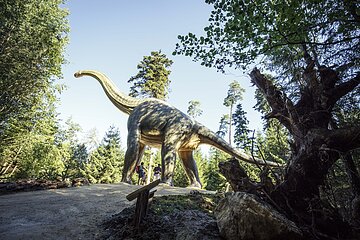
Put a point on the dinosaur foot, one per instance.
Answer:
(126, 180)
(195, 185)
(168, 182)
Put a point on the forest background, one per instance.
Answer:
(308, 97)
(42, 139)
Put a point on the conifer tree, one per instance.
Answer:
(241, 131)
(233, 96)
(224, 126)
(213, 180)
(152, 80)
(106, 162)
(73, 153)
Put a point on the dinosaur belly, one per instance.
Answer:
(151, 138)
(191, 143)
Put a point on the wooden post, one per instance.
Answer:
(149, 172)
(141, 207)
(143, 195)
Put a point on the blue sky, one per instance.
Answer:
(112, 36)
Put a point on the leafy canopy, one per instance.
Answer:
(33, 35)
(242, 31)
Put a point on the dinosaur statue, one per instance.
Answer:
(156, 123)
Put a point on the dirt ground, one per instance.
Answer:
(67, 213)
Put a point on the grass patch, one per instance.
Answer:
(166, 205)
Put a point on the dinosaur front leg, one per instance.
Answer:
(168, 160)
(133, 154)
(190, 167)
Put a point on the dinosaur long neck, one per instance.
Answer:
(122, 101)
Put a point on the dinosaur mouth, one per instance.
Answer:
(77, 74)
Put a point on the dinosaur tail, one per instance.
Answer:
(122, 101)
(210, 138)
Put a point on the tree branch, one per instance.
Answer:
(342, 89)
(344, 139)
(277, 100)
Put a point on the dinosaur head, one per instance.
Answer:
(78, 74)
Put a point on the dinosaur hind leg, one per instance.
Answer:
(190, 167)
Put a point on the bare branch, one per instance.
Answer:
(277, 100)
(341, 90)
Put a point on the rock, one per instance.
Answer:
(244, 216)
(76, 182)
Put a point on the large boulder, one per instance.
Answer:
(244, 216)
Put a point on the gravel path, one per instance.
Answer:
(68, 213)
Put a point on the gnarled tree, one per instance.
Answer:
(313, 48)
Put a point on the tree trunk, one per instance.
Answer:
(354, 180)
(230, 122)
(315, 146)
(149, 172)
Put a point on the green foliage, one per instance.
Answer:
(213, 180)
(239, 32)
(224, 126)
(39, 159)
(201, 163)
(32, 40)
(152, 80)
(274, 145)
(180, 178)
(338, 189)
(28, 145)
(234, 95)
(289, 38)
(169, 204)
(194, 109)
(106, 162)
(347, 110)
(74, 153)
(33, 35)
(280, 35)
(241, 131)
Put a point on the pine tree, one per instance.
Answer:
(241, 131)
(235, 93)
(224, 126)
(106, 162)
(213, 180)
(73, 153)
(180, 178)
(152, 80)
